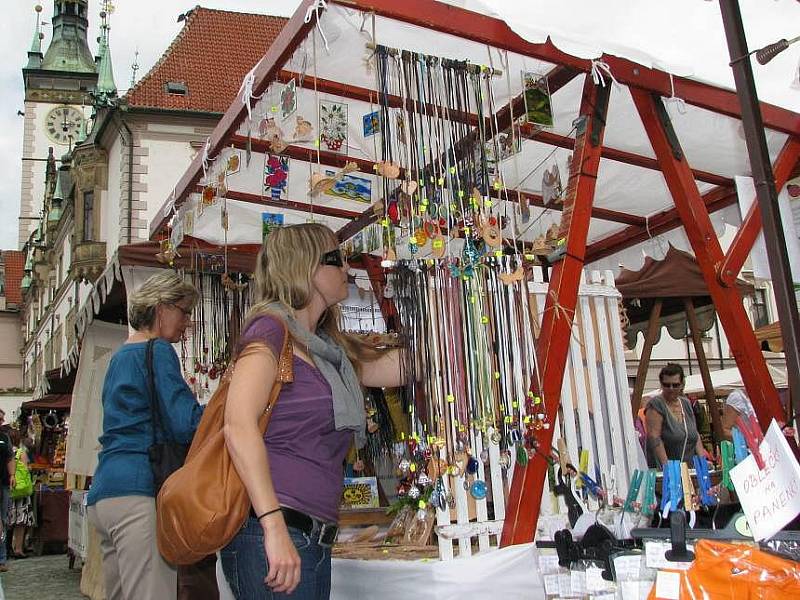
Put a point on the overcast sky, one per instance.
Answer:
(685, 33)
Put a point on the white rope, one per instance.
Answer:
(314, 9)
(600, 70)
(246, 90)
(206, 160)
(679, 103)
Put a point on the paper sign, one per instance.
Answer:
(577, 582)
(655, 553)
(595, 581)
(548, 563)
(668, 585)
(770, 497)
(551, 585)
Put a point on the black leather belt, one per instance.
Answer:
(324, 533)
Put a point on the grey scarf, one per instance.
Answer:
(338, 371)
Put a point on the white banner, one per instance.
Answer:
(770, 496)
(86, 415)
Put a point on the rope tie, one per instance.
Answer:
(314, 9)
(246, 90)
(601, 70)
(206, 159)
(679, 102)
(563, 312)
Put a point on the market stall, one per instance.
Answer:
(471, 175)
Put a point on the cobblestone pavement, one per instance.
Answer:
(42, 578)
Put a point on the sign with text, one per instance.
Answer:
(770, 497)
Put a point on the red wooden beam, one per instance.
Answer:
(715, 200)
(553, 139)
(294, 31)
(319, 209)
(353, 92)
(751, 227)
(708, 253)
(495, 32)
(522, 510)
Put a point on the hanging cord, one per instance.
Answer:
(313, 10)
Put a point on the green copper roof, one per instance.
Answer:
(69, 50)
(105, 78)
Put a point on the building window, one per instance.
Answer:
(758, 308)
(88, 216)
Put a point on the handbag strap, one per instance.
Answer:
(151, 383)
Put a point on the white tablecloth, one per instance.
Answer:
(508, 574)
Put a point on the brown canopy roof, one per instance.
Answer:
(677, 275)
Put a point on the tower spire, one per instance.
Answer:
(35, 55)
(106, 87)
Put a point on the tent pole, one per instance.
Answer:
(525, 497)
(708, 253)
(702, 362)
(774, 238)
(653, 327)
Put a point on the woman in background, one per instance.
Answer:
(121, 500)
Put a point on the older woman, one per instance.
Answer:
(671, 428)
(294, 473)
(121, 500)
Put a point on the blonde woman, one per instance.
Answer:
(122, 496)
(293, 474)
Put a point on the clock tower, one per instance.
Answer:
(58, 88)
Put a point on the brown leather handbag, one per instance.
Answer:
(202, 505)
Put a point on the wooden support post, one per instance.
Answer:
(708, 252)
(702, 361)
(653, 326)
(525, 497)
(751, 226)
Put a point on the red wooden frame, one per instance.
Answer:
(751, 226)
(562, 297)
(708, 253)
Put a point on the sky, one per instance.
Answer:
(150, 25)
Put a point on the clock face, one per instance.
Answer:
(63, 124)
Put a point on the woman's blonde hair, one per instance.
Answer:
(285, 268)
(166, 287)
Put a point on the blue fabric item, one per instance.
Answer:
(244, 563)
(124, 467)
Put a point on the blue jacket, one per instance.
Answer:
(124, 468)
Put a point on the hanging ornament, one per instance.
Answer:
(388, 169)
(478, 489)
(302, 130)
(552, 189)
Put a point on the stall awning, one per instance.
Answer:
(49, 402)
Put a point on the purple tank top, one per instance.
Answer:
(305, 450)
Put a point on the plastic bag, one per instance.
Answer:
(724, 571)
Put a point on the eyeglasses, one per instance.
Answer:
(673, 386)
(187, 312)
(333, 258)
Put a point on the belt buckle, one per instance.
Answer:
(327, 534)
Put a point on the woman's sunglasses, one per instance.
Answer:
(333, 258)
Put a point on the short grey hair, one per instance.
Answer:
(163, 288)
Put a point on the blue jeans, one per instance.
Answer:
(5, 508)
(244, 563)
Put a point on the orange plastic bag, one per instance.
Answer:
(724, 571)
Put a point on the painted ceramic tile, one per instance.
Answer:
(276, 176)
(538, 109)
(333, 125)
(289, 99)
(270, 221)
(371, 123)
(351, 187)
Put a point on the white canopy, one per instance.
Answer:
(332, 62)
